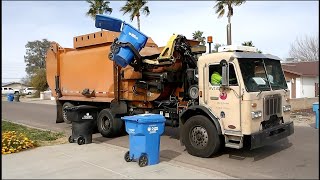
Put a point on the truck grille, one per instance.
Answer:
(272, 106)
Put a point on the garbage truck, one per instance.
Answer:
(236, 97)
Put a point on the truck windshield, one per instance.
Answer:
(262, 74)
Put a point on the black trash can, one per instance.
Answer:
(83, 119)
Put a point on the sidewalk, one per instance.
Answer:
(38, 101)
(94, 161)
(33, 100)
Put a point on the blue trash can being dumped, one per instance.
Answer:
(129, 41)
(144, 138)
(129, 34)
(108, 23)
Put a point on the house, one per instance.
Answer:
(15, 85)
(302, 78)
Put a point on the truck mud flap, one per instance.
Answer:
(59, 118)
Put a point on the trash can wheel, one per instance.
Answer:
(143, 160)
(80, 140)
(127, 157)
(70, 139)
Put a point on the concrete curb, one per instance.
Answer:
(33, 127)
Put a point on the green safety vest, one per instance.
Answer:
(215, 78)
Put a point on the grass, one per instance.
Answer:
(35, 135)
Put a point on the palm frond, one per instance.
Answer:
(146, 10)
(221, 13)
(108, 10)
(98, 7)
(133, 7)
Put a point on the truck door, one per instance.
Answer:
(225, 103)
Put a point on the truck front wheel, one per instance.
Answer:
(108, 124)
(201, 137)
(64, 113)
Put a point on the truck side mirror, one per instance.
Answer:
(225, 73)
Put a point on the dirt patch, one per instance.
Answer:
(62, 140)
(303, 117)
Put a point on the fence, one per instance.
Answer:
(298, 104)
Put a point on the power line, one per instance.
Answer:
(12, 78)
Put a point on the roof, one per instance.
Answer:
(9, 83)
(227, 55)
(310, 68)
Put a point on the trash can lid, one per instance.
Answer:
(80, 107)
(145, 118)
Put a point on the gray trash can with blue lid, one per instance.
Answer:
(83, 118)
(144, 138)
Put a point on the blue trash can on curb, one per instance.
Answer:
(316, 110)
(144, 138)
(10, 97)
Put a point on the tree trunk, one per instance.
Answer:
(229, 42)
(138, 19)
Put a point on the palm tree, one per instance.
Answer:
(134, 7)
(220, 10)
(98, 7)
(249, 43)
(216, 47)
(197, 35)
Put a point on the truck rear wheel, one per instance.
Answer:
(201, 137)
(64, 113)
(108, 124)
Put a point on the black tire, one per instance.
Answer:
(81, 140)
(127, 157)
(201, 137)
(29, 93)
(16, 93)
(108, 124)
(64, 114)
(70, 139)
(143, 160)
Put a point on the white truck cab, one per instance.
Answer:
(250, 107)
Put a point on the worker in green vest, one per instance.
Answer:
(215, 78)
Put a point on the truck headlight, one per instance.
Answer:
(256, 114)
(286, 108)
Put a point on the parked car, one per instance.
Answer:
(9, 90)
(29, 90)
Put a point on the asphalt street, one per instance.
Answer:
(296, 157)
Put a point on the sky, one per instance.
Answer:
(272, 26)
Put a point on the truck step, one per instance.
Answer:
(234, 145)
(233, 133)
